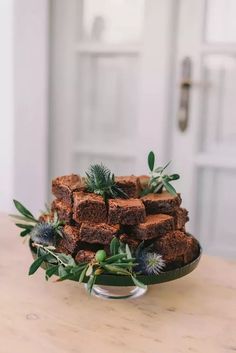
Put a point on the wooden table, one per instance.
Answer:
(194, 314)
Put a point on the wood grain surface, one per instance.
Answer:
(196, 313)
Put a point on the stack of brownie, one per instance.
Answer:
(90, 223)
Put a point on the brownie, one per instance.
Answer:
(71, 238)
(128, 184)
(143, 181)
(84, 256)
(180, 218)
(126, 211)
(63, 210)
(89, 207)
(64, 186)
(161, 203)
(131, 241)
(62, 247)
(100, 233)
(154, 226)
(177, 247)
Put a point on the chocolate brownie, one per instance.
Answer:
(180, 217)
(63, 187)
(177, 247)
(71, 238)
(154, 226)
(61, 247)
(129, 184)
(126, 211)
(131, 241)
(64, 210)
(161, 203)
(100, 233)
(84, 256)
(89, 207)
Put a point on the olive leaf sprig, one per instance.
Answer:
(158, 179)
(33, 227)
(120, 262)
(101, 181)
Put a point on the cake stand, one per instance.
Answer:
(110, 286)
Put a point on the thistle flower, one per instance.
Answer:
(150, 263)
(44, 234)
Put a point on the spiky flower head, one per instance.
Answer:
(151, 263)
(44, 234)
(101, 181)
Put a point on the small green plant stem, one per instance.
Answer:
(51, 253)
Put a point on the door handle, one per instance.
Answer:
(185, 87)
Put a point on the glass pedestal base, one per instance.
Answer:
(110, 292)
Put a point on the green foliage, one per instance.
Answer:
(158, 179)
(120, 262)
(101, 181)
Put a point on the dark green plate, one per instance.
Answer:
(119, 280)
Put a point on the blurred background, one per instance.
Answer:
(85, 81)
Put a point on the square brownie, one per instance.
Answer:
(180, 217)
(177, 247)
(130, 240)
(126, 211)
(84, 256)
(161, 203)
(64, 210)
(71, 238)
(128, 184)
(154, 227)
(89, 207)
(100, 233)
(63, 187)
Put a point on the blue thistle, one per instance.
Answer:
(44, 234)
(150, 263)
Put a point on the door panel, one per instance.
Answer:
(205, 154)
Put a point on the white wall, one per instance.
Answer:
(6, 104)
(24, 102)
(31, 101)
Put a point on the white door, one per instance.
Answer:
(205, 152)
(109, 83)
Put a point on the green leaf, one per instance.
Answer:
(117, 270)
(128, 252)
(82, 275)
(64, 258)
(167, 164)
(25, 226)
(114, 246)
(21, 218)
(174, 177)
(51, 271)
(36, 264)
(91, 282)
(23, 210)
(115, 258)
(89, 270)
(169, 187)
(151, 160)
(25, 232)
(62, 271)
(138, 283)
(126, 265)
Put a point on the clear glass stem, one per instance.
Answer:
(110, 292)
